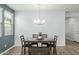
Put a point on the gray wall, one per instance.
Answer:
(55, 24)
(6, 41)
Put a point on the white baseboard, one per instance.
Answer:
(7, 50)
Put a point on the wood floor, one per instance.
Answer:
(71, 48)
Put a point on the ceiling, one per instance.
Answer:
(31, 7)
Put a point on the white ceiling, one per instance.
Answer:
(25, 7)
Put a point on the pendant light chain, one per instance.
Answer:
(38, 20)
(39, 11)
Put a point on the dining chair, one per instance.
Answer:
(44, 35)
(55, 40)
(53, 45)
(44, 44)
(34, 35)
(34, 44)
(22, 44)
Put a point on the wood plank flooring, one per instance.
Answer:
(71, 48)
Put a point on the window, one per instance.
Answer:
(8, 23)
(1, 21)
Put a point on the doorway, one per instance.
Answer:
(72, 29)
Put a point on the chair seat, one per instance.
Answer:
(44, 45)
(34, 45)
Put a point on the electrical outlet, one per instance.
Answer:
(5, 45)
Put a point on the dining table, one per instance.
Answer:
(39, 41)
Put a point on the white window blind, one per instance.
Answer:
(8, 23)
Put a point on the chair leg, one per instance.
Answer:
(22, 51)
(54, 50)
(50, 49)
(29, 52)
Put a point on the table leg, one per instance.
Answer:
(29, 47)
(24, 49)
(54, 50)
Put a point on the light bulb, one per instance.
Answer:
(35, 21)
(43, 21)
(38, 21)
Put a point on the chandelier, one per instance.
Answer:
(39, 21)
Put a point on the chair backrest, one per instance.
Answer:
(55, 38)
(22, 39)
(34, 35)
(44, 35)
